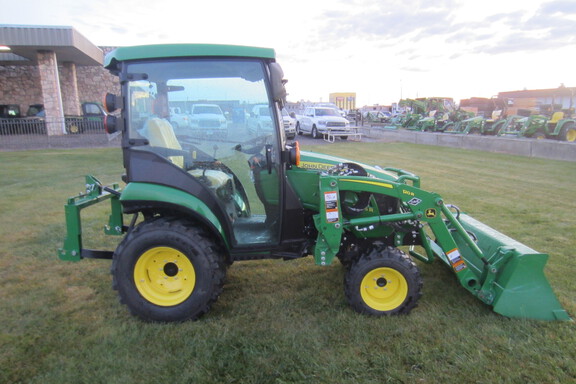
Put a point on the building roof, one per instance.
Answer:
(560, 91)
(25, 41)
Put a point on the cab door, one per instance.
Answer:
(212, 153)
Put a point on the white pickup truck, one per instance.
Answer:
(179, 119)
(318, 121)
(208, 120)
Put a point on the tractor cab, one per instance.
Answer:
(214, 158)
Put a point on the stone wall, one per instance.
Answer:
(94, 82)
(21, 85)
(51, 91)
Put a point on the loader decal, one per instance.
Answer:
(456, 260)
(430, 213)
(379, 184)
(331, 203)
(315, 165)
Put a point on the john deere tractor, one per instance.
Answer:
(194, 204)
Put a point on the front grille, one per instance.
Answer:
(209, 124)
(336, 124)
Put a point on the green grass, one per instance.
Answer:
(282, 322)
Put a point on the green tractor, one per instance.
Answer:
(540, 127)
(471, 125)
(490, 126)
(197, 204)
(533, 126)
(432, 114)
(561, 128)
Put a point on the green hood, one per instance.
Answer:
(322, 162)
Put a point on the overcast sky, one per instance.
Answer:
(380, 49)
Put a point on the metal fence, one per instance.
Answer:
(70, 132)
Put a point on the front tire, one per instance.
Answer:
(168, 270)
(539, 135)
(383, 282)
(315, 134)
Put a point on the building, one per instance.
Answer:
(525, 102)
(344, 100)
(542, 101)
(53, 66)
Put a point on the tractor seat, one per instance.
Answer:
(556, 117)
(160, 133)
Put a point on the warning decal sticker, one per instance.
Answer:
(331, 205)
(456, 260)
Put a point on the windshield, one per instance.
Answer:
(213, 109)
(201, 99)
(326, 112)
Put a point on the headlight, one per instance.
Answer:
(322, 122)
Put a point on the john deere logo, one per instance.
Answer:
(430, 213)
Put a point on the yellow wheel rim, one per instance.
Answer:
(384, 289)
(164, 276)
(571, 135)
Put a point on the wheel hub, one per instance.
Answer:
(171, 269)
(164, 276)
(384, 289)
(381, 282)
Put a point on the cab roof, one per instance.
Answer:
(142, 52)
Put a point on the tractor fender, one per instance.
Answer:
(561, 125)
(142, 196)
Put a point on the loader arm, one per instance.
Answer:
(499, 271)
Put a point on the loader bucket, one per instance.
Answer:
(513, 280)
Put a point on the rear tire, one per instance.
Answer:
(383, 282)
(168, 270)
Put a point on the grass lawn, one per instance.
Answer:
(282, 322)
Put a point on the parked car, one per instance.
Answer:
(260, 121)
(92, 119)
(208, 120)
(179, 119)
(289, 124)
(34, 122)
(9, 115)
(319, 120)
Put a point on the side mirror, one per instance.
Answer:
(277, 82)
(112, 102)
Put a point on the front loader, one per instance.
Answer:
(192, 206)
